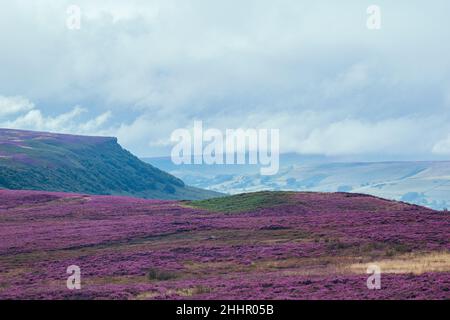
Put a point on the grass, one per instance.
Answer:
(411, 263)
(242, 202)
(190, 292)
(148, 295)
(161, 275)
(89, 165)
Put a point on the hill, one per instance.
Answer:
(425, 183)
(254, 246)
(96, 165)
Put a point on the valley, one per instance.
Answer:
(425, 183)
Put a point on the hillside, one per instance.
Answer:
(425, 183)
(252, 246)
(95, 165)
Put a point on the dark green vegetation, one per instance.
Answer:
(94, 165)
(160, 275)
(242, 202)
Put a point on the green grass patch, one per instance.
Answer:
(242, 202)
(161, 275)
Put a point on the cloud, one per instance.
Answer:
(96, 123)
(13, 105)
(67, 122)
(313, 70)
(442, 147)
(353, 136)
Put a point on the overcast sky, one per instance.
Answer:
(140, 69)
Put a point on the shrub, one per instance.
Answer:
(160, 275)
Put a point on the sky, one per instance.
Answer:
(139, 70)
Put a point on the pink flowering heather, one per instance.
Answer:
(257, 246)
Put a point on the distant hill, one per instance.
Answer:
(425, 183)
(95, 165)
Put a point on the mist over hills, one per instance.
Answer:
(99, 165)
(419, 182)
(94, 165)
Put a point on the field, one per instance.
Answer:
(265, 245)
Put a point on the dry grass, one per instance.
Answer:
(119, 280)
(410, 263)
(190, 292)
(416, 263)
(147, 295)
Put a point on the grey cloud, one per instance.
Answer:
(311, 69)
